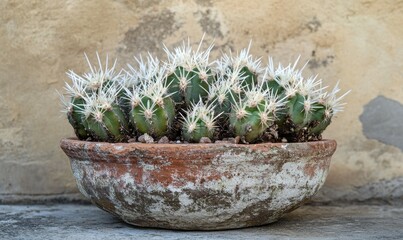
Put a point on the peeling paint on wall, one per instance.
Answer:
(209, 24)
(150, 33)
(382, 120)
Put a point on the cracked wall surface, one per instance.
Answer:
(359, 43)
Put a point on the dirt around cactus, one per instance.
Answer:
(271, 135)
(145, 138)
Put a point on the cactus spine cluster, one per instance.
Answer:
(188, 98)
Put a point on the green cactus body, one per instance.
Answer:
(250, 126)
(318, 112)
(201, 130)
(169, 108)
(125, 107)
(116, 123)
(318, 121)
(222, 96)
(198, 87)
(111, 126)
(254, 113)
(223, 108)
(223, 104)
(199, 122)
(153, 119)
(296, 110)
(274, 86)
(318, 129)
(97, 129)
(123, 101)
(195, 87)
(173, 82)
(249, 78)
(106, 84)
(190, 74)
(76, 118)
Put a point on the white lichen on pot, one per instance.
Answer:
(199, 186)
(160, 98)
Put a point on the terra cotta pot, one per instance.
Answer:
(199, 186)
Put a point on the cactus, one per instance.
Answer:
(103, 117)
(189, 74)
(308, 108)
(242, 65)
(254, 113)
(188, 98)
(224, 92)
(74, 106)
(199, 122)
(327, 106)
(152, 109)
(93, 110)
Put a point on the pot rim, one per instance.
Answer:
(74, 140)
(113, 152)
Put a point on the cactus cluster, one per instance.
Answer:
(188, 97)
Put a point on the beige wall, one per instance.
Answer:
(357, 42)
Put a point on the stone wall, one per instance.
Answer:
(359, 43)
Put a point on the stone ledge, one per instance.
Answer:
(74, 221)
(37, 199)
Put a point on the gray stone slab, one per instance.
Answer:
(68, 221)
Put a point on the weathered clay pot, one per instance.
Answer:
(199, 186)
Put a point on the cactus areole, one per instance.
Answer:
(190, 98)
(194, 143)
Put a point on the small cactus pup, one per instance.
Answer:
(189, 74)
(308, 109)
(199, 122)
(327, 107)
(73, 106)
(254, 113)
(152, 109)
(102, 81)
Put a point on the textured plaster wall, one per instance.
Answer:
(357, 42)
